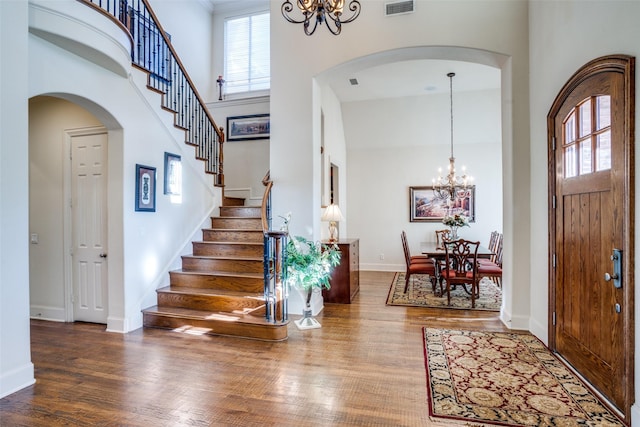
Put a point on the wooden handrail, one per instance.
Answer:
(266, 208)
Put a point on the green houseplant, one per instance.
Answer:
(308, 267)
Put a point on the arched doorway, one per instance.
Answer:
(61, 285)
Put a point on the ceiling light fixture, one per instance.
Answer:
(451, 187)
(328, 11)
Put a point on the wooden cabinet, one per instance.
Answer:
(345, 278)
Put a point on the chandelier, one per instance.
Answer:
(328, 11)
(452, 186)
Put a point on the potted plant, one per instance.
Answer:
(455, 221)
(308, 266)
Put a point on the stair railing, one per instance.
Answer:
(152, 51)
(276, 291)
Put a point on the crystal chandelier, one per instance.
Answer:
(328, 11)
(452, 186)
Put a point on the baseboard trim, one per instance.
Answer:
(17, 379)
(43, 312)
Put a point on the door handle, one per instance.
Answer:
(616, 257)
(103, 255)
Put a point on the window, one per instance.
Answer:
(247, 63)
(587, 137)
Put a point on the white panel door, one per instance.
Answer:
(89, 219)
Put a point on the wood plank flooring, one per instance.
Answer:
(364, 367)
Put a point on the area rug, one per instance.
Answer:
(498, 378)
(420, 294)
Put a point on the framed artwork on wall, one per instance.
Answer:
(242, 128)
(425, 205)
(172, 174)
(145, 189)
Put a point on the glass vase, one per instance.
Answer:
(454, 232)
(307, 321)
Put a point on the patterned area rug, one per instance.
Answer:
(420, 294)
(497, 378)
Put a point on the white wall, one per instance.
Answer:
(335, 153)
(490, 32)
(16, 369)
(190, 26)
(383, 165)
(245, 162)
(143, 246)
(555, 56)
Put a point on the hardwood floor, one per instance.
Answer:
(364, 367)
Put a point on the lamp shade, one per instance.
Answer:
(332, 214)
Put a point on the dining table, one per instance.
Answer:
(436, 251)
(432, 250)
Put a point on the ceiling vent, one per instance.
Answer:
(398, 7)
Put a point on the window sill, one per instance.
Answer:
(230, 102)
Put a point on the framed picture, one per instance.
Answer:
(172, 174)
(425, 205)
(242, 128)
(145, 188)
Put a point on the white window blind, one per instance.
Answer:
(247, 65)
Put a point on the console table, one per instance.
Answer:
(345, 277)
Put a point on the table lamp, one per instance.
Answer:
(333, 215)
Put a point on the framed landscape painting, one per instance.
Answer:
(425, 205)
(241, 128)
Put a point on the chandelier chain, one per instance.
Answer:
(452, 187)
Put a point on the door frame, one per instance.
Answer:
(69, 134)
(625, 65)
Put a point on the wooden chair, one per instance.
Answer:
(414, 258)
(416, 266)
(492, 268)
(461, 267)
(442, 236)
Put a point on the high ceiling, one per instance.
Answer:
(395, 79)
(412, 78)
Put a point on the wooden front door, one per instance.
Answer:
(591, 219)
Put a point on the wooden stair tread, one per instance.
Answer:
(209, 291)
(187, 313)
(219, 273)
(226, 257)
(219, 242)
(251, 230)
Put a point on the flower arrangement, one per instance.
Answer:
(456, 220)
(309, 264)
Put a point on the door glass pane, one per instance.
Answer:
(570, 161)
(603, 151)
(570, 129)
(603, 112)
(585, 119)
(585, 157)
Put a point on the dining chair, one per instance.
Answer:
(417, 265)
(461, 268)
(442, 236)
(492, 268)
(423, 258)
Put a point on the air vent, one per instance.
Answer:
(398, 7)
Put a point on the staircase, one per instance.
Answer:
(220, 288)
